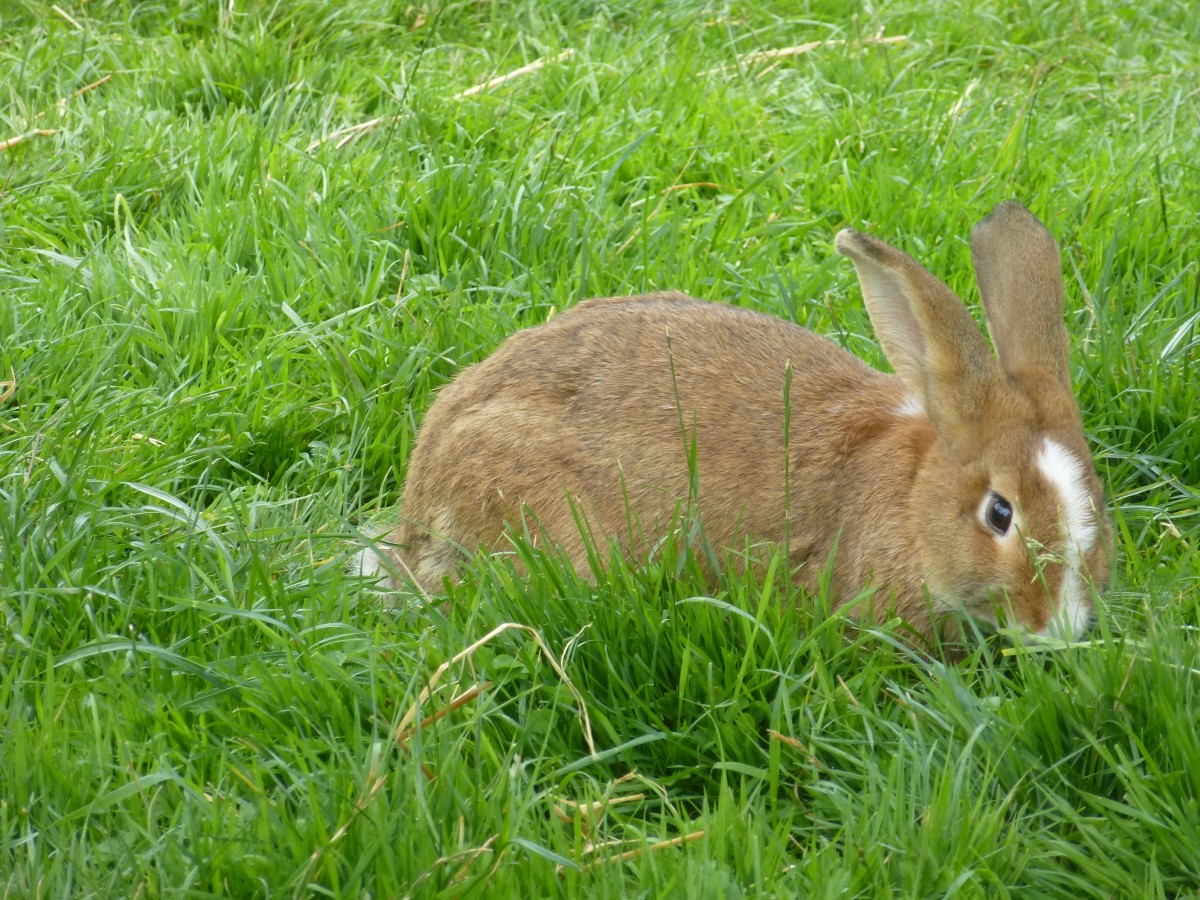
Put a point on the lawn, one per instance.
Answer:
(243, 244)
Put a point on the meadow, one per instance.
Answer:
(242, 244)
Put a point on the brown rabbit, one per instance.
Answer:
(962, 483)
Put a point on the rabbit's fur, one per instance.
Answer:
(593, 416)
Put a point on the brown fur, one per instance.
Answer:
(600, 405)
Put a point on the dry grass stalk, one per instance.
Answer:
(796, 745)
(849, 694)
(784, 739)
(589, 813)
(757, 56)
(8, 388)
(515, 73)
(427, 691)
(22, 138)
(635, 853)
(66, 16)
(344, 136)
(461, 700)
(87, 88)
(61, 106)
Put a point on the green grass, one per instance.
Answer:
(223, 342)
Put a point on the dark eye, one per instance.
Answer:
(999, 514)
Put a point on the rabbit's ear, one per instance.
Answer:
(1020, 281)
(927, 334)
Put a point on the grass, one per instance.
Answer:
(222, 343)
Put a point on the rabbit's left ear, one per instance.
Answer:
(1020, 281)
(927, 334)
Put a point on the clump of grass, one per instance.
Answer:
(219, 333)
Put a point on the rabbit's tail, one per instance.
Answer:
(411, 555)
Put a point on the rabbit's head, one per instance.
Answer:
(1013, 524)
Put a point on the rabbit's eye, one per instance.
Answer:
(999, 514)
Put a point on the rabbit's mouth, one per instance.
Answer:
(975, 602)
(983, 614)
(991, 609)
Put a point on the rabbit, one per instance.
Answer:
(961, 484)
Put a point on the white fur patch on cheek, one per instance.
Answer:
(1080, 529)
(1065, 472)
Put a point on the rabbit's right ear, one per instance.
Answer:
(1020, 282)
(927, 334)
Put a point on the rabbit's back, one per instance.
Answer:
(616, 403)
